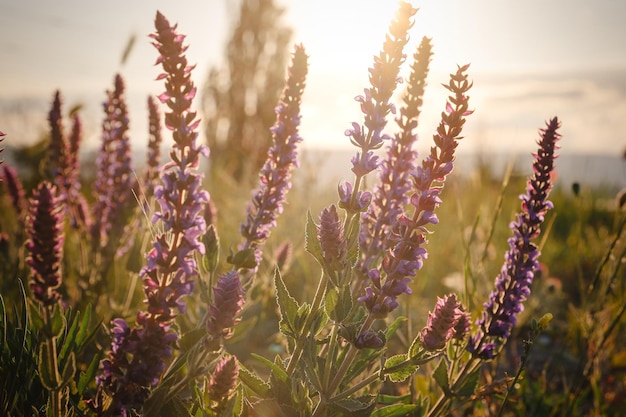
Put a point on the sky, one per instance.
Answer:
(530, 61)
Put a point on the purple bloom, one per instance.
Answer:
(114, 181)
(512, 285)
(153, 159)
(15, 190)
(225, 305)
(139, 356)
(441, 323)
(223, 379)
(268, 198)
(56, 146)
(392, 192)
(331, 238)
(45, 243)
(403, 254)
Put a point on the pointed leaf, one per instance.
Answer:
(89, 375)
(311, 243)
(48, 374)
(288, 307)
(441, 376)
(35, 315)
(276, 369)
(396, 410)
(397, 372)
(356, 407)
(243, 259)
(83, 333)
(469, 385)
(57, 322)
(69, 370)
(253, 382)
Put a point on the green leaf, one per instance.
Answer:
(338, 303)
(243, 259)
(469, 385)
(174, 408)
(69, 370)
(384, 399)
(311, 243)
(288, 307)
(253, 382)
(393, 327)
(441, 376)
(191, 338)
(84, 335)
(57, 322)
(48, 373)
(397, 372)
(355, 407)
(396, 410)
(35, 315)
(278, 370)
(86, 377)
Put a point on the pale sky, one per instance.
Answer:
(530, 61)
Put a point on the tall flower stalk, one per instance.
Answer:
(512, 285)
(139, 355)
(44, 255)
(275, 176)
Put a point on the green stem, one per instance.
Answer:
(317, 301)
(55, 394)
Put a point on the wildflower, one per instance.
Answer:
(45, 243)
(512, 285)
(441, 323)
(56, 146)
(225, 306)
(392, 192)
(375, 107)
(370, 340)
(153, 158)
(139, 355)
(330, 235)
(223, 379)
(114, 181)
(403, 253)
(15, 190)
(268, 198)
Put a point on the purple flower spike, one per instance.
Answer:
(441, 323)
(402, 251)
(15, 190)
(225, 306)
(114, 181)
(392, 192)
(139, 355)
(331, 238)
(275, 176)
(45, 243)
(223, 379)
(512, 285)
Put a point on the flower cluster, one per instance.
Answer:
(45, 243)
(447, 321)
(392, 191)
(15, 190)
(404, 251)
(512, 285)
(275, 175)
(139, 355)
(225, 306)
(223, 379)
(331, 237)
(114, 181)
